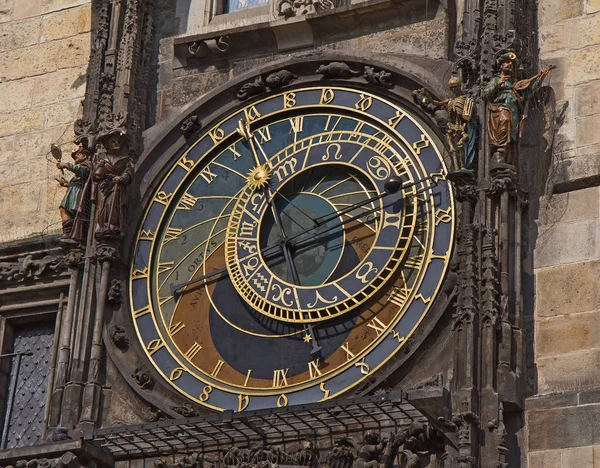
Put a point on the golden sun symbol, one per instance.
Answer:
(258, 177)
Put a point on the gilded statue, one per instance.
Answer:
(461, 128)
(506, 98)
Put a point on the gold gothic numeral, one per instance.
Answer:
(327, 95)
(363, 103)
(397, 335)
(443, 216)
(377, 325)
(205, 395)
(421, 144)
(313, 369)
(324, 390)
(251, 113)
(437, 176)
(216, 135)
(176, 373)
(280, 378)
(139, 274)
(146, 235)
(193, 351)
(243, 402)
(364, 367)
(154, 346)
(426, 300)
(186, 163)
(163, 197)
(289, 100)
(282, 400)
(393, 121)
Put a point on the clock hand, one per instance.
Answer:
(244, 130)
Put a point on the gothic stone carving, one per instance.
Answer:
(143, 379)
(251, 88)
(115, 295)
(190, 125)
(193, 460)
(336, 70)
(342, 455)
(67, 460)
(289, 8)
(381, 78)
(29, 268)
(279, 79)
(119, 338)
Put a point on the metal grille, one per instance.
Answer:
(28, 384)
(211, 434)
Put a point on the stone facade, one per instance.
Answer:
(44, 52)
(566, 248)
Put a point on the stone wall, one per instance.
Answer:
(562, 418)
(44, 51)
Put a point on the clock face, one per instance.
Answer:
(316, 227)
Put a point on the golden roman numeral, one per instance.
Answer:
(398, 296)
(349, 354)
(265, 134)
(247, 377)
(384, 144)
(236, 155)
(313, 368)
(165, 266)
(143, 311)
(377, 325)
(176, 328)
(297, 124)
(207, 175)
(414, 262)
(280, 378)
(171, 234)
(194, 349)
(217, 368)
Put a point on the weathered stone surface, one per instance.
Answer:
(85, 19)
(588, 98)
(589, 396)
(592, 6)
(558, 400)
(567, 207)
(587, 31)
(567, 243)
(62, 113)
(551, 11)
(6, 10)
(576, 172)
(26, 9)
(564, 334)
(46, 58)
(59, 86)
(18, 34)
(16, 95)
(54, 5)
(583, 65)
(580, 457)
(572, 371)
(38, 143)
(61, 24)
(21, 122)
(559, 36)
(563, 427)
(587, 130)
(555, 296)
(19, 200)
(545, 459)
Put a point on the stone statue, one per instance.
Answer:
(111, 176)
(506, 98)
(370, 453)
(461, 127)
(74, 208)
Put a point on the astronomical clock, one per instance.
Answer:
(291, 247)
